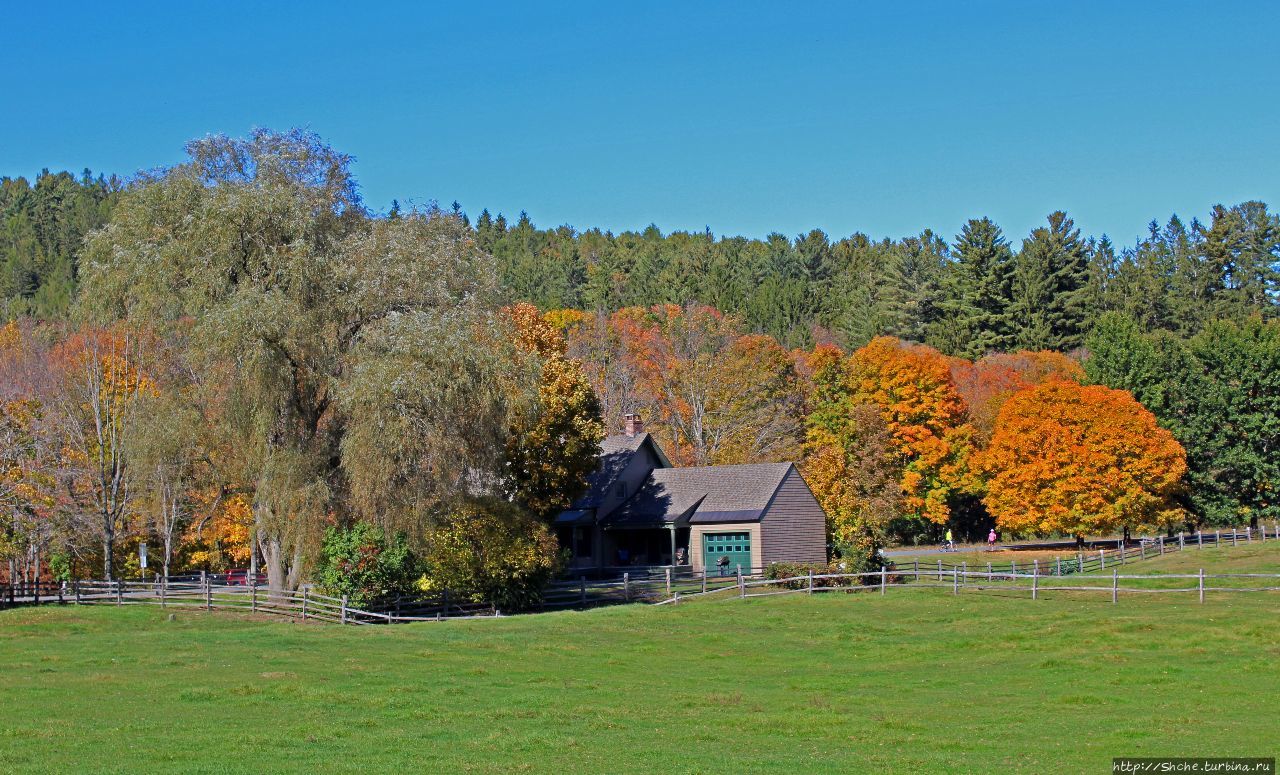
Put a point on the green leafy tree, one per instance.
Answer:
(351, 350)
(367, 565)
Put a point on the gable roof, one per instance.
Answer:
(705, 494)
(616, 453)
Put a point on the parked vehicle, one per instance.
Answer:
(237, 577)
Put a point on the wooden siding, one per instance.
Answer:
(697, 531)
(794, 528)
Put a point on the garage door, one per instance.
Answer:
(735, 546)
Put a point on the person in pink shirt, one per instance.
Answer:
(991, 540)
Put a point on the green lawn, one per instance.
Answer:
(917, 680)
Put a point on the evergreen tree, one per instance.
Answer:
(977, 292)
(1051, 287)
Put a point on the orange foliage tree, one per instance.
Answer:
(925, 415)
(987, 383)
(712, 394)
(1071, 459)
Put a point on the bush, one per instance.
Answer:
(864, 554)
(493, 552)
(362, 563)
(799, 571)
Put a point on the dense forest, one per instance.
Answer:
(42, 234)
(238, 360)
(981, 292)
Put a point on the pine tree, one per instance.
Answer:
(977, 292)
(1051, 287)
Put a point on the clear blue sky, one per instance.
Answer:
(745, 117)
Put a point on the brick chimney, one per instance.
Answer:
(632, 425)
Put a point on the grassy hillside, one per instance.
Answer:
(914, 681)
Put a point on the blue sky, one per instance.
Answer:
(744, 117)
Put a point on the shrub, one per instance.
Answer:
(799, 573)
(366, 565)
(492, 552)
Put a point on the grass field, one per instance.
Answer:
(916, 681)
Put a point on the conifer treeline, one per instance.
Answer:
(42, 229)
(978, 293)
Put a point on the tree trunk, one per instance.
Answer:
(108, 548)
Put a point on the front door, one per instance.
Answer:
(736, 547)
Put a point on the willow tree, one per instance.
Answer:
(360, 364)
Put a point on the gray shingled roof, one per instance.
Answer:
(705, 494)
(615, 453)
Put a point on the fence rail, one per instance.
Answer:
(1031, 584)
(670, 585)
(1102, 559)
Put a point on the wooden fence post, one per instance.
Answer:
(344, 609)
(75, 587)
(1217, 538)
(163, 584)
(1122, 548)
(253, 596)
(1115, 585)
(208, 594)
(1160, 543)
(742, 587)
(1143, 547)
(1035, 586)
(582, 589)
(626, 586)
(964, 571)
(810, 580)
(305, 589)
(704, 579)
(1035, 568)
(955, 581)
(1102, 559)
(1058, 560)
(988, 571)
(668, 581)
(882, 579)
(915, 567)
(119, 592)
(1199, 539)
(1248, 533)
(939, 571)
(1202, 585)
(1181, 543)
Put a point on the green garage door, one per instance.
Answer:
(735, 546)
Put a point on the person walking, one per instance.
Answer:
(950, 545)
(991, 540)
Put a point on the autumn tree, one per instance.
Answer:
(714, 396)
(1077, 460)
(554, 443)
(925, 415)
(100, 383)
(365, 362)
(987, 383)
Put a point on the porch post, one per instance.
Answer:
(673, 544)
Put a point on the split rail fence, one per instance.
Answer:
(669, 586)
